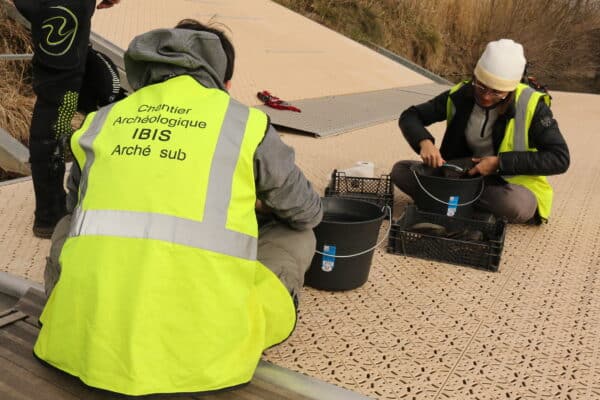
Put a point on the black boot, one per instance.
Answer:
(50, 197)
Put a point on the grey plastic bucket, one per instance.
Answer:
(444, 195)
(349, 227)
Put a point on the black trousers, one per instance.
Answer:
(60, 30)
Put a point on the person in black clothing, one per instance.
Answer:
(60, 30)
(484, 116)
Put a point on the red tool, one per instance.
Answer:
(275, 102)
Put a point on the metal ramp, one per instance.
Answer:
(333, 115)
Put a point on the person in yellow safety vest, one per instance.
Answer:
(165, 278)
(498, 128)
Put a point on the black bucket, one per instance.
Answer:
(349, 227)
(446, 195)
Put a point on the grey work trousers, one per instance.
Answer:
(514, 202)
(285, 251)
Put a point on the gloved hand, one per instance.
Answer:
(107, 4)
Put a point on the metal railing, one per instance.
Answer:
(16, 57)
(407, 63)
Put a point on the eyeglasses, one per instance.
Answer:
(486, 90)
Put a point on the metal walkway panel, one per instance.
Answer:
(332, 115)
(14, 156)
(276, 49)
(6, 302)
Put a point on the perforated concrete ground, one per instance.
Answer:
(417, 329)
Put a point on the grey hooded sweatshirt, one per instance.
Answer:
(162, 54)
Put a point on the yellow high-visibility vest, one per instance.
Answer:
(160, 289)
(516, 138)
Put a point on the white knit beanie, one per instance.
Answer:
(501, 65)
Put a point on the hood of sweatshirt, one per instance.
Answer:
(161, 54)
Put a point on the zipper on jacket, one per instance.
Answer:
(485, 121)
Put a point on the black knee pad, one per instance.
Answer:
(101, 83)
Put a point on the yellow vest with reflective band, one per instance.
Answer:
(516, 138)
(160, 290)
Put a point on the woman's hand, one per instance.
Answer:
(485, 166)
(262, 208)
(430, 154)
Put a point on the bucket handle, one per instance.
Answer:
(442, 201)
(389, 211)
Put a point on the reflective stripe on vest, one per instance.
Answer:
(521, 123)
(87, 140)
(210, 234)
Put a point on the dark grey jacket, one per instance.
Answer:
(551, 158)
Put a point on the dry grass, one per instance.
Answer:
(16, 95)
(561, 37)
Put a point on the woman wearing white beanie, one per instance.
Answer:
(504, 128)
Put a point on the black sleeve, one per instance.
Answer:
(73, 187)
(413, 120)
(552, 156)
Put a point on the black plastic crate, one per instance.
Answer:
(378, 191)
(483, 254)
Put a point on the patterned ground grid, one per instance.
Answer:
(20, 252)
(417, 329)
(426, 330)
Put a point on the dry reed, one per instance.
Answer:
(16, 96)
(561, 37)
